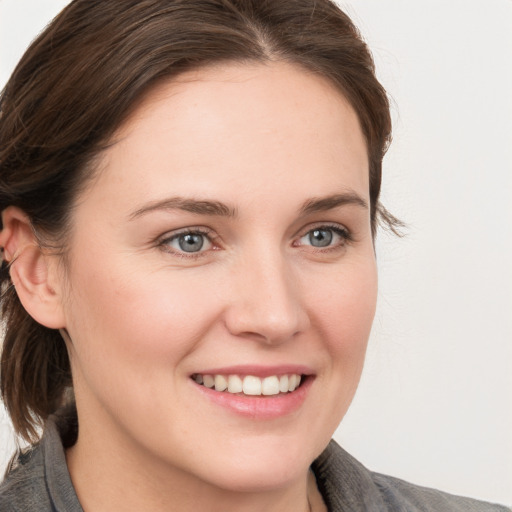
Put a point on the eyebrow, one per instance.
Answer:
(200, 207)
(323, 204)
(217, 208)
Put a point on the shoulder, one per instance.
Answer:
(24, 486)
(38, 480)
(347, 485)
(401, 495)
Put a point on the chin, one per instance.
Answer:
(260, 476)
(260, 464)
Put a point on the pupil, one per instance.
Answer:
(320, 238)
(191, 243)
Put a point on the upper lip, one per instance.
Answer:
(258, 370)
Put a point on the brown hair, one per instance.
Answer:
(80, 79)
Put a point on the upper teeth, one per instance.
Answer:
(250, 385)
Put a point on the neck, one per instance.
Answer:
(110, 477)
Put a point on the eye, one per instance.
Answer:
(320, 237)
(188, 242)
(325, 236)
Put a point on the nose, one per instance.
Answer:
(265, 302)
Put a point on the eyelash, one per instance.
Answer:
(207, 234)
(342, 232)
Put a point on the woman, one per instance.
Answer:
(189, 202)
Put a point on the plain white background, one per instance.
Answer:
(435, 402)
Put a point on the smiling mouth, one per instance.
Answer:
(250, 385)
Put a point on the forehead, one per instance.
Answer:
(240, 123)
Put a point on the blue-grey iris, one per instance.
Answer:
(191, 242)
(320, 237)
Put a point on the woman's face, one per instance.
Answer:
(227, 238)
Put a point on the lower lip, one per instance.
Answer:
(259, 407)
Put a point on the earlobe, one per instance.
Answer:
(30, 268)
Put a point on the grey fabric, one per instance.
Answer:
(40, 482)
(347, 486)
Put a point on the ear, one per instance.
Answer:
(33, 272)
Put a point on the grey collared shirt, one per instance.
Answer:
(40, 482)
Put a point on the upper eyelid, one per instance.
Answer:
(164, 243)
(213, 236)
(173, 235)
(185, 231)
(318, 225)
(341, 231)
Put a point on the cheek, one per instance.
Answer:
(132, 331)
(139, 319)
(345, 315)
(342, 313)
(345, 308)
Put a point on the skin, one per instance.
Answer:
(142, 315)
